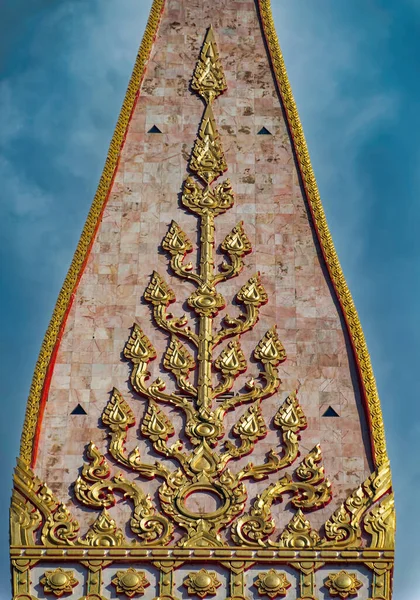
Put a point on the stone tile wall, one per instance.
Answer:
(143, 201)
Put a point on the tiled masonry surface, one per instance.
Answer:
(143, 201)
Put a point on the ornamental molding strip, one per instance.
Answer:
(164, 536)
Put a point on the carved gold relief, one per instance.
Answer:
(343, 584)
(204, 469)
(310, 491)
(203, 583)
(207, 158)
(130, 582)
(299, 533)
(58, 582)
(272, 584)
(104, 532)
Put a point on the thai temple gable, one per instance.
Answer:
(203, 419)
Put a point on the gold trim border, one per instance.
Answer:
(330, 255)
(89, 230)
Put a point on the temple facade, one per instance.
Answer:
(203, 419)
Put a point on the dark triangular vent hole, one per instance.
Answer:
(154, 129)
(264, 131)
(330, 412)
(79, 410)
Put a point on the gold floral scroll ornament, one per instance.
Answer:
(343, 584)
(58, 582)
(130, 582)
(272, 584)
(202, 583)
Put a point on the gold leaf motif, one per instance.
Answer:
(343, 584)
(298, 533)
(253, 292)
(117, 413)
(207, 158)
(103, 532)
(209, 79)
(231, 360)
(237, 242)
(177, 359)
(310, 469)
(272, 583)
(311, 493)
(176, 241)
(290, 415)
(270, 349)
(156, 424)
(207, 201)
(251, 425)
(138, 348)
(158, 292)
(130, 582)
(202, 583)
(58, 582)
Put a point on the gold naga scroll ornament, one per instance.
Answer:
(213, 354)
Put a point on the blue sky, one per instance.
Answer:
(353, 65)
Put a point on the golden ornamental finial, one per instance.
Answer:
(207, 158)
(209, 79)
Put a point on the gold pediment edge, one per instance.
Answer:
(28, 446)
(357, 338)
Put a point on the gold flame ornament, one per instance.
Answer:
(209, 79)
